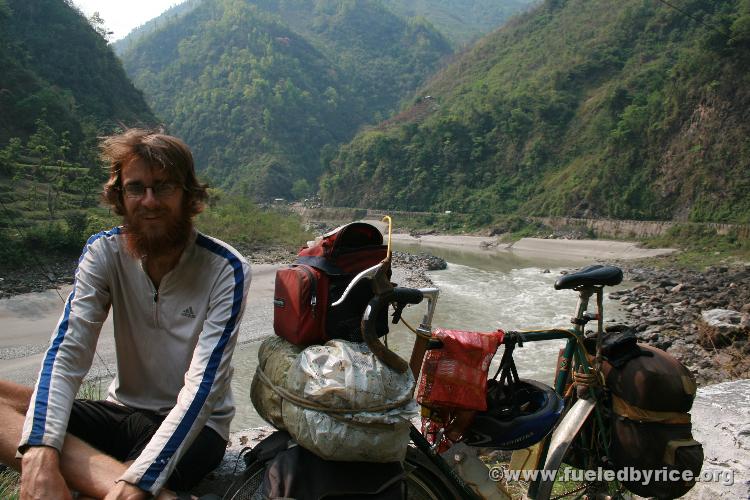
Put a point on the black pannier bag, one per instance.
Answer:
(652, 393)
(305, 290)
(290, 471)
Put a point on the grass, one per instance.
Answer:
(512, 227)
(700, 247)
(9, 484)
(93, 389)
(241, 223)
(9, 478)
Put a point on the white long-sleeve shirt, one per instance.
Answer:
(174, 346)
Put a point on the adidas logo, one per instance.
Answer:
(188, 313)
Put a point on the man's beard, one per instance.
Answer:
(144, 241)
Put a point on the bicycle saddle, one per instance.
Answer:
(597, 275)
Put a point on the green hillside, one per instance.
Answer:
(262, 90)
(61, 87)
(385, 57)
(57, 69)
(462, 21)
(625, 109)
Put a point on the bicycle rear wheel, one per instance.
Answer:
(246, 486)
(574, 453)
(426, 481)
(423, 482)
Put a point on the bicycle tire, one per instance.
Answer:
(424, 482)
(246, 486)
(558, 458)
(562, 438)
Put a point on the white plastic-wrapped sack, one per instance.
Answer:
(275, 356)
(347, 375)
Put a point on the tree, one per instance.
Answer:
(9, 156)
(43, 143)
(97, 23)
(301, 189)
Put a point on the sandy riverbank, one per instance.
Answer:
(27, 320)
(548, 249)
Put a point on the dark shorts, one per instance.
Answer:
(123, 433)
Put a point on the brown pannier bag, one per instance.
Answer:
(652, 393)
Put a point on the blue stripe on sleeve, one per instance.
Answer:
(39, 425)
(178, 436)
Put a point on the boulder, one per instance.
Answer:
(721, 327)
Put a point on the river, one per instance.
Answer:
(480, 291)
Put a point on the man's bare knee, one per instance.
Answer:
(15, 396)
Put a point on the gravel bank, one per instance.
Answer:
(669, 307)
(36, 277)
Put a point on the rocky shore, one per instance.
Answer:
(410, 269)
(702, 318)
(36, 277)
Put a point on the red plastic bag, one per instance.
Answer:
(455, 375)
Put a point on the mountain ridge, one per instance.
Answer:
(260, 102)
(625, 110)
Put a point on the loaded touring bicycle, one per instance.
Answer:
(615, 405)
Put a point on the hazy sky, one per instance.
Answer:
(121, 16)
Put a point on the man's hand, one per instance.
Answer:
(40, 475)
(126, 491)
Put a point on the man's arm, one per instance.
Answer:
(41, 474)
(206, 381)
(66, 362)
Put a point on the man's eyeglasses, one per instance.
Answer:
(162, 190)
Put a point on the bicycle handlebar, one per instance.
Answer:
(407, 295)
(401, 296)
(368, 273)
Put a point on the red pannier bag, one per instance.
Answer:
(304, 290)
(455, 375)
(300, 297)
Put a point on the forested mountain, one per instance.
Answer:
(166, 17)
(626, 109)
(462, 21)
(61, 87)
(58, 73)
(384, 57)
(262, 89)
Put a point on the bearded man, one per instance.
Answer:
(177, 298)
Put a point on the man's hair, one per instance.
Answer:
(157, 150)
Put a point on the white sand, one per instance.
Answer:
(585, 250)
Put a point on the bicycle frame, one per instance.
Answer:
(574, 352)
